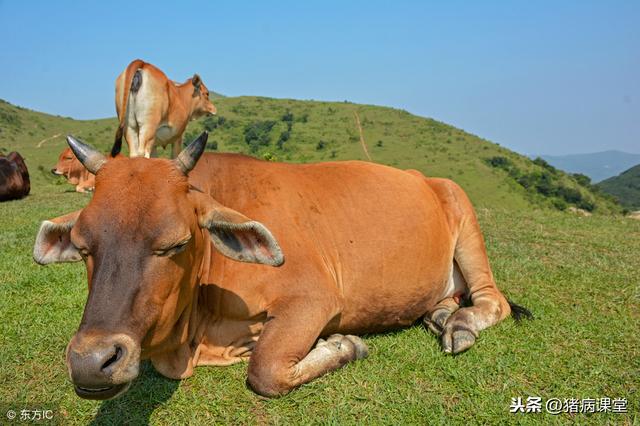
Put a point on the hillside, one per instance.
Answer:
(306, 131)
(598, 165)
(625, 187)
(578, 276)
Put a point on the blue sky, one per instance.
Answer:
(550, 77)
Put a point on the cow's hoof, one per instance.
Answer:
(347, 343)
(437, 321)
(456, 339)
(362, 350)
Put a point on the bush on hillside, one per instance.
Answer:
(499, 162)
(257, 134)
(545, 182)
(284, 136)
(210, 123)
(542, 163)
(582, 179)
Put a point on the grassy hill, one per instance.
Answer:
(625, 187)
(578, 275)
(305, 131)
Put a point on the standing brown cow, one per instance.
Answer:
(14, 177)
(154, 110)
(185, 269)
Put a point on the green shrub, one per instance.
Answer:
(257, 134)
(542, 163)
(582, 179)
(210, 123)
(559, 204)
(269, 156)
(499, 162)
(287, 117)
(284, 136)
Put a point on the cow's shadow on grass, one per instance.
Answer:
(148, 392)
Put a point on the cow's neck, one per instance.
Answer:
(175, 358)
(185, 95)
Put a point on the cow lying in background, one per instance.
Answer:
(14, 177)
(72, 169)
(186, 266)
(154, 110)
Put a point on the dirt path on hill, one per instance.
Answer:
(362, 142)
(47, 139)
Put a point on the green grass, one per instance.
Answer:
(579, 276)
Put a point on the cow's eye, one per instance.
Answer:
(171, 251)
(83, 252)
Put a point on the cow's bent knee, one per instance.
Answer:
(268, 381)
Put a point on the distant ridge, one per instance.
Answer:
(597, 165)
(625, 187)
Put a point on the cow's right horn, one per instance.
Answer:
(91, 158)
(189, 156)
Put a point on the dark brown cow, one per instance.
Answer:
(178, 275)
(14, 177)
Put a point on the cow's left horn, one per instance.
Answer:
(90, 157)
(189, 156)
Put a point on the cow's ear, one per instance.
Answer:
(53, 242)
(238, 237)
(197, 83)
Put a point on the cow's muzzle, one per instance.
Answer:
(102, 366)
(56, 172)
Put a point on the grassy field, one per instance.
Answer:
(579, 276)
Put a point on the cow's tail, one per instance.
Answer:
(519, 312)
(132, 82)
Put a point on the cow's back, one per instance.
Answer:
(14, 177)
(373, 237)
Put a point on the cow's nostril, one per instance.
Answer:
(113, 359)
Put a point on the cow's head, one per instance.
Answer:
(68, 166)
(200, 103)
(142, 237)
(72, 169)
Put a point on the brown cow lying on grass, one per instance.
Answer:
(72, 169)
(186, 266)
(14, 177)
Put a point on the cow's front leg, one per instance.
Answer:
(283, 359)
(176, 147)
